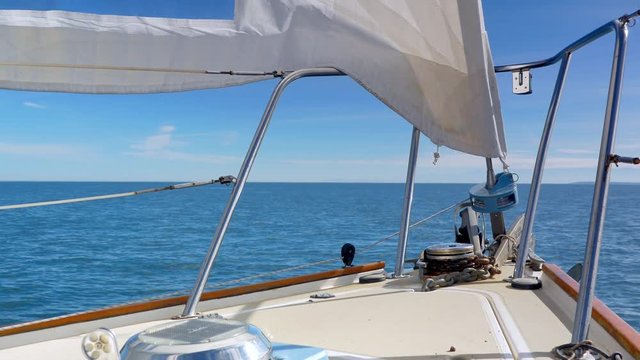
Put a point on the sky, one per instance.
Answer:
(325, 129)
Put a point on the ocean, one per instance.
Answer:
(67, 258)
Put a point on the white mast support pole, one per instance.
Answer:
(601, 189)
(214, 247)
(536, 179)
(408, 200)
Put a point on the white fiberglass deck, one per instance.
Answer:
(392, 319)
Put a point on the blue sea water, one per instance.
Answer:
(67, 258)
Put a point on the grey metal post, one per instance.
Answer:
(601, 189)
(408, 200)
(194, 297)
(497, 218)
(525, 239)
(491, 175)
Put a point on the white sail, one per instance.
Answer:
(427, 60)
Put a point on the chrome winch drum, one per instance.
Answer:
(445, 258)
(448, 251)
(202, 338)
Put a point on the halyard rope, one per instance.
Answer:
(583, 350)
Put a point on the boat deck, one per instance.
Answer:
(393, 319)
(483, 320)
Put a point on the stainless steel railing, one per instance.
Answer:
(594, 236)
(214, 247)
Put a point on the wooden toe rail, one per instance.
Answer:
(622, 332)
(120, 310)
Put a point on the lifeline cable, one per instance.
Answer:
(245, 279)
(336, 259)
(221, 180)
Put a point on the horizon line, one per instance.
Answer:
(305, 182)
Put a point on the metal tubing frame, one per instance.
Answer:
(408, 201)
(564, 55)
(214, 247)
(603, 30)
(536, 179)
(601, 189)
(598, 208)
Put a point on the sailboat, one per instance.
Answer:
(430, 62)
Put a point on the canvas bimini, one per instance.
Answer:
(468, 299)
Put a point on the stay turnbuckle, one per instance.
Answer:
(617, 159)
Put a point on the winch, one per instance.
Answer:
(468, 259)
(503, 195)
(445, 258)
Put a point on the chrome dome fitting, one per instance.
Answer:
(198, 339)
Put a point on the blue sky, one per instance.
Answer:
(324, 129)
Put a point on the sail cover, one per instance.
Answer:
(428, 60)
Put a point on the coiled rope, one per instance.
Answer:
(581, 350)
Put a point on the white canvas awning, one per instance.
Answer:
(428, 60)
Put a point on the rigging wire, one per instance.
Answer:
(274, 73)
(231, 179)
(221, 180)
(336, 259)
(303, 266)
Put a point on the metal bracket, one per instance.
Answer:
(522, 82)
(226, 180)
(616, 159)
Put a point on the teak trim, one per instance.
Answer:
(120, 310)
(622, 332)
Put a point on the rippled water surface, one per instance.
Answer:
(67, 258)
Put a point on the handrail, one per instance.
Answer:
(538, 169)
(243, 174)
(409, 187)
(599, 203)
(549, 123)
(585, 40)
(601, 190)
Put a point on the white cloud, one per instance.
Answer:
(158, 142)
(356, 162)
(553, 162)
(628, 147)
(453, 161)
(167, 129)
(576, 151)
(37, 149)
(33, 105)
(202, 158)
(162, 146)
(226, 138)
